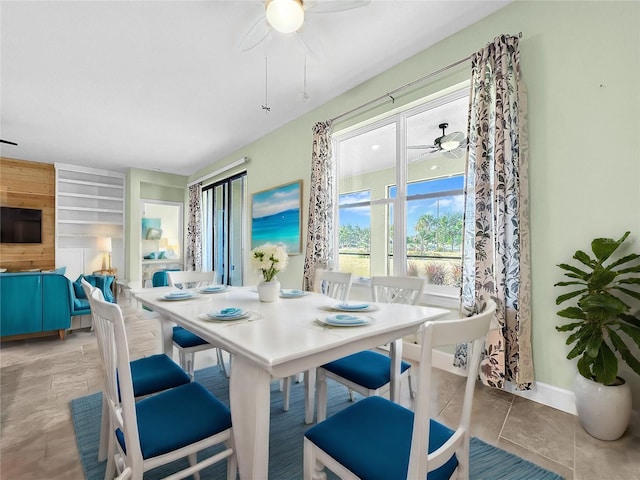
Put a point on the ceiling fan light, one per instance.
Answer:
(286, 16)
(449, 145)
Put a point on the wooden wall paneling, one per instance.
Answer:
(27, 184)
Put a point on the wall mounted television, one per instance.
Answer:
(20, 225)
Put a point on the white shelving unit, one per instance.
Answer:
(89, 204)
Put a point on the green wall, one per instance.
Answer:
(581, 63)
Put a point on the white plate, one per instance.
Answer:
(353, 307)
(220, 316)
(214, 289)
(293, 293)
(342, 320)
(177, 297)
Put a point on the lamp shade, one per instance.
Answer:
(104, 244)
(286, 16)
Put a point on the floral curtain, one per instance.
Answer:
(194, 229)
(319, 252)
(496, 259)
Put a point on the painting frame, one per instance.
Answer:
(276, 216)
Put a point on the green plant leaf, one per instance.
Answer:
(605, 367)
(584, 366)
(569, 326)
(631, 293)
(584, 258)
(583, 333)
(633, 332)
(635, 321)
(623, 260)
(625, 353)
(594, 343)
(603, 305)
(601, 278)
(631, 281)
(565, 284)
(578, 349)
(567, 296)
(604, 247)
(635, 269)
(573, 312)
(580, 274)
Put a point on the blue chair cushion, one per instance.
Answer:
(372, 438)
(156, 373)
(178, 417)
(103, 282)
(367, 368)
(186, 339)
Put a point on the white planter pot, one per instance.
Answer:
(269, 291)
(604, 411)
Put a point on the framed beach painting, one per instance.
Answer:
(276, 217)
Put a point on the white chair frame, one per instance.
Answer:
(114, 352)
(186, 356)
(333, 284)
(434, 334)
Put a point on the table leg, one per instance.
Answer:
(166, 330)
(310, 395)
(396, 358)
(249, 392)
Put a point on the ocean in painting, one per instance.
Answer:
(282, 227)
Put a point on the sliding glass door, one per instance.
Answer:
(223, 219)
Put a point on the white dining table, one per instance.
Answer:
(280, 339)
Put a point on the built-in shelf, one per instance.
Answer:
(90, 204)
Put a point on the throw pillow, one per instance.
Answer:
(77, 287)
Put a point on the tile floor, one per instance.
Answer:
(38, 377)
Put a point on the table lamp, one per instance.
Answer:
(104, 246)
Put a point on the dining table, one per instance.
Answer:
(295, 333)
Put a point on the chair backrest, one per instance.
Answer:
(190, 279)
(389, 289)
(333, 284)
(439, 333)
(108, 325)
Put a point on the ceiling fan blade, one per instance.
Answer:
(311, 44)
(331, 6)
(258, 32)
(455, 153)
(420, 147)
(10, 143)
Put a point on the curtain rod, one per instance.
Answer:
(407, 85)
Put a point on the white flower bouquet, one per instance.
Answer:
(269, 259)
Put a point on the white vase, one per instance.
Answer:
(604, 410)
(269, 291)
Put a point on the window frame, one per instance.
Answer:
(439, 295)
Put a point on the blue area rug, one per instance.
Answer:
(285, 443)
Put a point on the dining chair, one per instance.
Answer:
(333, 284)
(398, 289)
(369, 372)
(150, 375)
(187, 342)
(162, 428)
(376, 439)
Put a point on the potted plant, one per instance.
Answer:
(602, 290)
(269, 259)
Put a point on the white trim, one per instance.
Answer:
(241, 161)
(90, 170)
(549, 395)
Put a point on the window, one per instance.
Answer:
(400, 197)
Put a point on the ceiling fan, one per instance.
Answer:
(449, 145)
(288, 16)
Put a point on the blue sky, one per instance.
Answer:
(276, 200)
(360, 216)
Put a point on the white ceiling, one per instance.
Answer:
(164, 86)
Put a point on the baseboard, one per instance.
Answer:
(549, 395)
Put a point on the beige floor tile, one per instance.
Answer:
(543, 430)
(562, 470)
